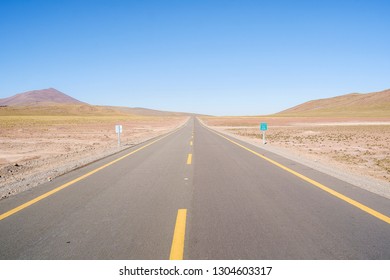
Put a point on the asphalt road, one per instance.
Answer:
(194, 194)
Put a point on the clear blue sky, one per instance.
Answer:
(215, 57)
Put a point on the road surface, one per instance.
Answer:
(195, 194)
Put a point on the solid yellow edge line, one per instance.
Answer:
(189, 159)
(35, 200)
(359, 205)
(177, 248)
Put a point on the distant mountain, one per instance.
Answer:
(376, 104)
(51, 102)
(145, 111)
(39, 97)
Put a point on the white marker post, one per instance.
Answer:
(118, 130)
(264, 128)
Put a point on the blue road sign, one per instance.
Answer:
(263, 126)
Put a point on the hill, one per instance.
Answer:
(39, 97)
(51, 102)
(376, 104)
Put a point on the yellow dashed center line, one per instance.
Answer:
(189, 159)
(177, 248)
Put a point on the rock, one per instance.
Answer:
(16, 165)
(49, 179)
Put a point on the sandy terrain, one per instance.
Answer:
(355, 150)
(34, 149)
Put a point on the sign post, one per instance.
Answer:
(118, 130)
(264, 128)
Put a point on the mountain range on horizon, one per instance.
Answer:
(51, 101)
(353, 104)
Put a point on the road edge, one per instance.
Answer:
(366, 183)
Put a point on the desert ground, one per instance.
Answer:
(358, 147)
(35, 149)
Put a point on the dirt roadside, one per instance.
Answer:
(34, 153)
(357, 153)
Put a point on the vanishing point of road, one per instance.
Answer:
(195, 194)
